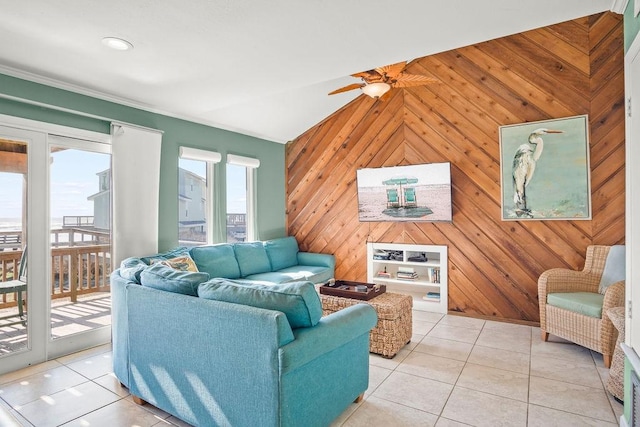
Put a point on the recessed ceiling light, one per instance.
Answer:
(117, 43)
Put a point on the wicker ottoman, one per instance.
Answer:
(394, 327)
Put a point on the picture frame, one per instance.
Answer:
(545, 171)
(414, 193)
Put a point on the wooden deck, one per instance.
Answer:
(90, 311)
(88, 267)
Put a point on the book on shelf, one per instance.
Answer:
(406, 276)
(433, 275)
(433, 296)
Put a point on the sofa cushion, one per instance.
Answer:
(299, 301)
(311, 273)
(217, 260)
(159, 276)
(131, 268)
(282, 252)
(614, 268)
(252, 258)
(179, 251)
(587, 303)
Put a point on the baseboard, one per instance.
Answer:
(623, 421)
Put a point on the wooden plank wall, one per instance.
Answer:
(568, 69)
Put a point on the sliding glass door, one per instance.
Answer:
(55, 242)
(22, 166)
(80, 230)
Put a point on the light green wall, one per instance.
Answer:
(270, 175)
(631, 25)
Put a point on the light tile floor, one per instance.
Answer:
(456, 371)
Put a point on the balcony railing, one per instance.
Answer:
(77, 221)
(75, 271)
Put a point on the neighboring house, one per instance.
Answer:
(191, 202)
(190, 195)
(102, 201)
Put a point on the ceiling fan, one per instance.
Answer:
(380, 80)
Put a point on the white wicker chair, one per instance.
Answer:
(597, 334)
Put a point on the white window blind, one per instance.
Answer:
(202, 155)
(136, 190)
(248, 162)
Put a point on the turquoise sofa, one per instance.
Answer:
(236, 352)
(273, 261)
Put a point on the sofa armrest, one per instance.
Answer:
(331, 332)
(321, 260)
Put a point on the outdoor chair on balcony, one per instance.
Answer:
(573, 304)
(392, 198)
(410, 198)
(17, 286)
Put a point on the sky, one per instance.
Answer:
(74, 178)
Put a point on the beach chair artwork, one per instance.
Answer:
(410, 197)
(416, 193)
(399, 181)
(393, 201)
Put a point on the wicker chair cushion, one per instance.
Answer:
(614, 268)
(586, 303)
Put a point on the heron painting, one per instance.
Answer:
(545, 170)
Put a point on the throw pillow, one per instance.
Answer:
(180, 251)
(282, 252)
(614, 268)
(159, 276)
(182, 263)
(252, 258)
(299, 301)
(131, 268)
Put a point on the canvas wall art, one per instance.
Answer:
(405, 193)
(545, 170)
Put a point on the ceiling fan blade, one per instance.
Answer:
(392, 70)
(407, 80)
(369, 76)
(352, 86)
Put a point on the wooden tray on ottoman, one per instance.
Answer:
(346, 289)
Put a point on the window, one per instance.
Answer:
(241, 224)
(195, 196)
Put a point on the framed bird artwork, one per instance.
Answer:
(545, 172)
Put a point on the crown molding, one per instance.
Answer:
(619, 6)
(47, 81)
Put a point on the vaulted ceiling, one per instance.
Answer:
(259, 68)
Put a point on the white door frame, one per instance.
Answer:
(41, 347)
(632, 183)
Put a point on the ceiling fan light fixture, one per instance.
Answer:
(376, 90)
(117, 43)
